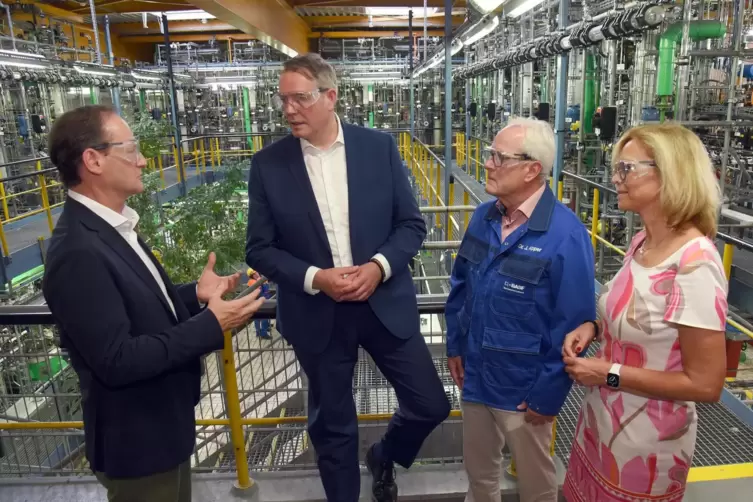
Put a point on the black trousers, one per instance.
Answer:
(170, 486)
(333, 425)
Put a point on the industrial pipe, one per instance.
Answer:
(96, 32)
(616, 25)
(589, 105)
(697, 30)
(10, 24)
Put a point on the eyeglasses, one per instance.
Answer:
(624, 167)
(128, 150)
(299, 100)
(500, 158)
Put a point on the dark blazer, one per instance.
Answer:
(286, 234)
(138, 365)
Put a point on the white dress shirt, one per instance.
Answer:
(328, 173)
(125, 224)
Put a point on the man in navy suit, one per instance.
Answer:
(135, 339)
(333, 221)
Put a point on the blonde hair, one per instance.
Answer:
(689, 189)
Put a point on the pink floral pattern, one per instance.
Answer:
(629, 447)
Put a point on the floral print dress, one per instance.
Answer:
(628, 447)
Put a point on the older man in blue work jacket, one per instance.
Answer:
(522, 280)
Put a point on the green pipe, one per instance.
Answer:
(589, 107)
(93, 95)
(698, 30)
(247, 116)
(142, 99)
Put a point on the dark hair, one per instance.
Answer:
(71, 134)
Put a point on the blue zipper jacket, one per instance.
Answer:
(512, 303)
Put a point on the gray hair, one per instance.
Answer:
(313, 67)
(538, 141)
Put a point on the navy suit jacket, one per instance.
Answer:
(286, 234)
(139, 367)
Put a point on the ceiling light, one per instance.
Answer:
(523, 7)
(486, 6)
(188, 15)
(397, 11)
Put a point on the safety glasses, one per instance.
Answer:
(640, 167)
(499, 159)
(126, 150)
(298, 100)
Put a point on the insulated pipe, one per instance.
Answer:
(560, 126)
(10, 24)
(697, 30)
(447, 118)
(589, 106)
(116, 90)
(410, 73)
(98, 52)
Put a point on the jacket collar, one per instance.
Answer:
(540, 218)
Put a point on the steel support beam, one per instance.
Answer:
(274, 23)
(447, 114)
(212, 25)
(560, 127)
(369, 34)
(174, 107)
(410, 85)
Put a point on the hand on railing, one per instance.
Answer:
(234, 313)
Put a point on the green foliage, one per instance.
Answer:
(153, 135)
(212, 217)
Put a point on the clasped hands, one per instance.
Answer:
(349, 284)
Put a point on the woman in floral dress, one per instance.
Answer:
(661, 328)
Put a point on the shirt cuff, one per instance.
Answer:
(385, 265)
(202, 305)
(308, 280)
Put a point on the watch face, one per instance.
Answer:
(613, 380)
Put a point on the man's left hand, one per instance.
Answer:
(363, 284)
(534, 418)
(210, 281)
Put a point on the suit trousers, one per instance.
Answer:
(485, 431)
(333, 427)
(170, 486)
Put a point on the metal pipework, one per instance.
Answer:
(98, 52)
(616, 25)
(10, 24)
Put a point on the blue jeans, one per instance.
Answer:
(262, 328)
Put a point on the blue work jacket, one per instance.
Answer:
(512, 303)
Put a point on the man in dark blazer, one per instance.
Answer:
(134, 338)
(333, 221)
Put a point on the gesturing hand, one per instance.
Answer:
(234, 313)
(363, 283)
(209, 282)
(334, 281)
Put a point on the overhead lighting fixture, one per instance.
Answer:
(523, 7)
(188, 15)
(397, 11)
(480, 31)
(486, 6)
(22, 54)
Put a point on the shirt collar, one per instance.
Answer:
(340, 140)
(127, 219)
(528, 205)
